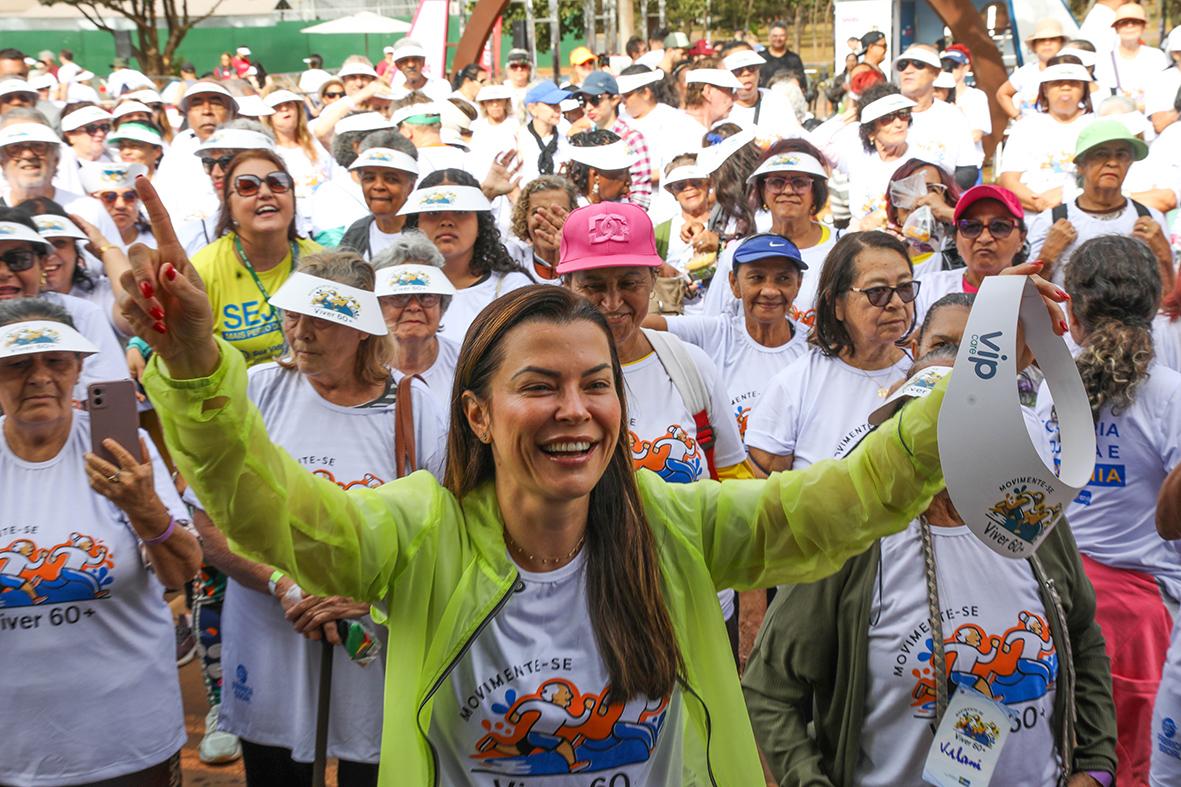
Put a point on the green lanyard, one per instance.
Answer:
(266, 296)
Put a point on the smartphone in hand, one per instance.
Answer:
(113, 413)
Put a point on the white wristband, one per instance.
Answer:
(294, 594)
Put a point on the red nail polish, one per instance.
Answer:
(1062, 324)
(160, 327)
(170, 271)
(156, 312)
(147, 289)
(137, 177)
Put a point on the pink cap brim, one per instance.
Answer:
(610, 261)
(1002, 195)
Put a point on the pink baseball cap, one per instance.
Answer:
(1002, 195)
(607, 235)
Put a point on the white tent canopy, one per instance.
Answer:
(363, 23)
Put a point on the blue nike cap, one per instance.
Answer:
(767, 245)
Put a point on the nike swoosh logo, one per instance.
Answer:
(775, 245)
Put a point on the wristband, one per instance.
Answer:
(273, 582)
(160, 539)
(294, 594)
(144, 348)
(104, 249)
(998, 481)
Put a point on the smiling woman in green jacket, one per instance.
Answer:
(552, 612)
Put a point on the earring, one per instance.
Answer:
(595, 189)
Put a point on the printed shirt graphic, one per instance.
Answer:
(996, 640)
(746, 365)
(1041, 150)
(526, 704)
(271, 683)
(1113, 518)
(241, 314)
(83, 624)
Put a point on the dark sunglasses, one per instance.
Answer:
(885, 120)
(19, 260)
(516, 66)
(111, 197)
(583, 99)
(881, 296)
(745, 70)
(777, 184)
(248, 185)
(997, 228)
(425, 300)
(919, 64)
(223, 162)
(17, 149)
(334, 94)
(94, 128)
(681, 185)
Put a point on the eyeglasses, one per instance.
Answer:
(334, 94)
(885, 120)
(109, 198)
(936, 188)
(426, 300)
(16, 149)
(997, 228)
(917, 64)
(882, 295)
(95, 128)
(28, 99)
(248, 185)
(519, 66)
(681, 185)
(583, 99)
(777, 184)
(745, 70)
(19, 260)
(223, 162)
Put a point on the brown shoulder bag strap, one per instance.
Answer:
(404, 452)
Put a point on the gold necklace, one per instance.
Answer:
(882, 390)
(543, 560)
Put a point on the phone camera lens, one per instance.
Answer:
(98, 402)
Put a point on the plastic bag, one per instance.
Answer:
(921, 227)
(906, 192)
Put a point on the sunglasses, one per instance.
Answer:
(109, 198)
(18, 260)
(583, 99)
(425, 300)
(248, 185)
(38, 149)
(334, 94)
(681, 185)
(777, 184)
(997, 228)
(518, 66)
(95, 128)
(745, 70)
(885, 120)
(917, 64)
(881, 296)
(223, 163)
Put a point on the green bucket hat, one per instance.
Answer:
(1103, 131)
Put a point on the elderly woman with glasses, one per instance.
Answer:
(85, 130)
(139, 143)
(255, 252)
(114, 185)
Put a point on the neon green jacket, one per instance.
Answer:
(441, 567)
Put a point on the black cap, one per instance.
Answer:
(188, 67)
(869, 39)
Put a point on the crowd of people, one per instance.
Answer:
(532, 401)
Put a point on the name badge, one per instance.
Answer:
(969, 741)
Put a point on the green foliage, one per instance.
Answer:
(569, 13)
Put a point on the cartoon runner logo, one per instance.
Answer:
(330, 299)
(407, 279)
(741, 414)
(1024, 514)
(438, 198)
(76, 570)
(28, 336)
(674, 456)
(970, 725)
(560, 730)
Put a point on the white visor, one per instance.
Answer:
(494, 92)
(430, 109)
(450, 136)
(686, 172)
(709, 159)
(51, 226)
(84, 76)
(235, 139)
(356, 69)
(10, 86)
(244, 51)
(386, 158)
(281, 97)
(206, 88)
(605, 158)
(42, 336)
(629, 82)
(303, 293)
(253, 106)
(718, 77)
(98, 177)
(437, 199)
(919, 54)
(146, 96)
(27, 132)
(884, 106)
(568, 105)
(944, 80)
(137, 132)
(413, 279)
(918, 386)
(1084, 57)
(127, 107)
(363, 121)
(410, 50)
(790, 162)
(13, 230)
(747, 57)
(80, 117)
(42, 82)
(1066, 72)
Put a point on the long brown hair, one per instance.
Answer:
(628, 616)
(225, 222)
(302, 134)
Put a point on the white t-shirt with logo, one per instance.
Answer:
(271, 683)
(469, 302)
(1027, 81)
(746, 365)
(941, 135)
(526, 704)
(1041, 150)
(817, 407)
(1130, 78)
(91, 689)
(1161, 92)
(1087, 226)
(1114, 517)
(997, 640)
(869, 176)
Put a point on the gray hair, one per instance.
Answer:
(23, 113)
(25, 309)
(247, 124)
(389, 138)
(414, 247)
(1115, 105)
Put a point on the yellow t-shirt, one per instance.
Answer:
(241, 314)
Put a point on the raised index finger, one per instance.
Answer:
(166, 242)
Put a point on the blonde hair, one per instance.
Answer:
(303, 136)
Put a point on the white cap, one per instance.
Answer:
(920, 54)
(714, 156)
(1172, 43)
(80, 117)
(312, 80)
(356, 69)
(412, 49)
(146, 96)
(438, 199)
(244, 51)
(1088, 58)
(1066, 72)
(618, 62)
(790, 162)
(629, 82)
(568, 105)
(137, 132)
(51, 226)
(9, 86)
(235, 139)
(98, 177)
(126, 108)
(742, 59)
(39, 336)
(386, 158)
(281, 97)
(614, 156)
(718, 77)
(684, 172)
(204, 88)
(251, 72)
(494, 92)
(413, 110)
(307, 61)
(27, 132)
(412, 279)
(389, 50)
(253, 106)
(43, 81)
(84, 76)
(30, 61)
(945, 80)
(325, 299)
(884, 106)
(363, 121)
